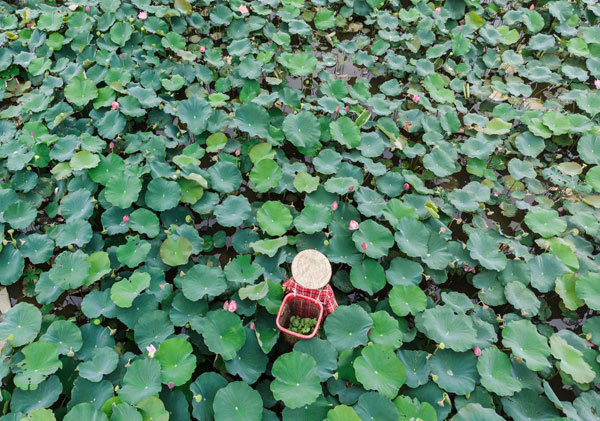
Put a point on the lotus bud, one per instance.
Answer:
(202, 48)
(142, 15)
(334, 205)
(252, 326)
(351, 188)
(170, 385)
(237, 152)
(531, 7)
(438, 10)
(597, 83)
(56, 190)
(126, 219)
(406, 187)
(416, 98)
(87, 8)
(232, 307)
(477, 351)
(337, 109)
(111, 145)
(114, 105)
(353, 225)
(364, 246)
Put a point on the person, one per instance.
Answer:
(311, 272)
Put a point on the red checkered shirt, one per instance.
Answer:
(324, 294)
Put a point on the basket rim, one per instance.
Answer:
(287, 298)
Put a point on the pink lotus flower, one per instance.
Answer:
(126, 218)
(531, 7)
(151, 350)
(230, 306)
(111, 145)
(477, 351)
(337, 109)
(406, 187)
(202, 48)
(438, 10)
(115, 105)
(251, 326)
(142, 15)
(597, 83)
(243, 9)
(416, 98)
(347, 108)
(351, 188)
(353, 225)
(170, 385)
(237, 152)
(334, 206)
(364, 246)
(87, 8)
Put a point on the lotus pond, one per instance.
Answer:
(163, 161)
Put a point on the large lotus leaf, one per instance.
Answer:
(70, 270)
(85, 411)
(141, 380)
(496, 375)
(484, 248)
(19, 214)
(306, 183)
(378, 239)
(79, 91)
(224, 177)
(347, 327)
(302, 129)
(104, 361)
(378, 368)
(386, 330)
(528, 405)
(587, 288)
(162, 195)
(40, 360)
(313, 218)
(204, 389)
(120, 33)
(412, 237)
(324, 354)
(12, 262)
(299, 64)
(194, 112)
(253, 119)
(454, 372)
(238, 401)
(442, 160)
(65, 335)
(133, 252)
(405, 299)
(296, 381)
(176, 361)
(223, 333)
(443, 325)
(175, 251)
(44, 396)
(153, 328)
(368, 276)
(265, 175)
(571, 360)
(21, 324)
(468, 198)
(345, 132)
(201, 281)
(250, 362)
(413, 409)
(522, 298)
(342, 413)
(526, 343)
(125, 412)
(545, 268)
(145, 222)
(476, 412)
(373, 405)
(274, 218)
(545, 222)
(233, 211)
(123, 293)
(123, 191)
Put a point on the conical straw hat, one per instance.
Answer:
(311, 269)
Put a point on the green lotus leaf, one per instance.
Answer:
(265, 175)
(133, 252)
(443, 325)
(468, 198)
(224, 177)
(44, 396)
(194, 112)
(123, 293)
(526, 343)
(342, 413)
(405, 299)
(40, 361)
(162, 195)
(274, 218)
(141, 380)
(455, 372)
(474, 412)
(13, 263)
(84, 160)
(313, 218)
(19, 215)
(201, 281)
(21, 324)
(145, 222)
(378, 368)
(104, 361)
(175, 251)
(385, 330)
(377, 238)
(242, 270)
(204, 389)
(299, 64)
(587, 288)
(176, 361)
(70, 270)
(571, 360)
(120, 33)
(496, 376)
(302, 129)
(85, 411)
(347, 327)
(269, 247)
(251, 362)
(253, 119)
(484, 248)
(497, 126)
(522, 298)
(296, 381)
(376, 406)
(79, 91)
(237, 401)
(123, 191)
(223, 333)
(368, 276)
(344, 131)
(306, 183)
(65, 335)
